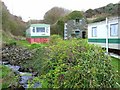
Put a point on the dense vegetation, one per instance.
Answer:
(7, 78)
(74, 64)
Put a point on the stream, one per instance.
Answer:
(24, 76)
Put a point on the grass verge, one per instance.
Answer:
(116, 64)
(7, 78)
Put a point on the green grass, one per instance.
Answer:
(7, 77)
(116, 65)
(6, 38)
(26, 44)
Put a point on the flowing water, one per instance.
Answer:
(24, 76)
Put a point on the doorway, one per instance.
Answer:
(84, 34)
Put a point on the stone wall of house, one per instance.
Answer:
(76, 26)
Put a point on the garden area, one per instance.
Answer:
(70, 64)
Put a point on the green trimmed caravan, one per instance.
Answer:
(38, 33)
(105, 33)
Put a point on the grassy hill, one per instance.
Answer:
(11, 25)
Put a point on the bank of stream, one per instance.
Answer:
(24, 77)
(14, 57)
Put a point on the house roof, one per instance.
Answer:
(39, 25)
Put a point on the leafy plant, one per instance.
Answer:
(8, 77)
(76, 64)
(54, 39)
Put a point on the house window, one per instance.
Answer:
(77, 20)
(77, 32)
(33, 29)
(94, 31)
(114, 29)
(65, 31)
(40, 29)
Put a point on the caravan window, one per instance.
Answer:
(33, 29)
(114, 29)
(94, 31)
(40, 29)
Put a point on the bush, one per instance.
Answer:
(7, 78)
(76, 64)
(54, 39)
(36, 62)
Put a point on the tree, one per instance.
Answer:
(109, 8)
(54, 14)
(74, 15)
(89, 13)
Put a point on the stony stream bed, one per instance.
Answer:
(13, 57)
(24, 77)
(16, 54)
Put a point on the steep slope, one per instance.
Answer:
(11, 23)
(12, 26)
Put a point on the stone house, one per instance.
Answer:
(75, 28)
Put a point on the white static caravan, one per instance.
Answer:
(105, 33)
(38, 33)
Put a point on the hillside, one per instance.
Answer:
(110, 9)
(11, 23)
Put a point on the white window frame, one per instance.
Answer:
(47, 29)
(114, 31)
(33, 29)
(94, 31)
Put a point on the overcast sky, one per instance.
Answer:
(35, 9)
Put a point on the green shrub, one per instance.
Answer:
(37, 61)
(54, 39)
(8, 78)
(76, 64)
(37, 45)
